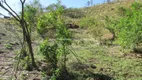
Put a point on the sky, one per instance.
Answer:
(15, 4)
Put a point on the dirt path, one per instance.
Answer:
(6, 63)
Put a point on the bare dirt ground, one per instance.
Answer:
(8, 67)
(6, 63)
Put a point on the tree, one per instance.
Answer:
(32, 10)
(59, 49)
(24, 26)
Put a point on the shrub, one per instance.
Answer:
(128, 29)
(49, 52)
(58, 50)
(8, 46)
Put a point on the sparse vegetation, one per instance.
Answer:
(74, 13)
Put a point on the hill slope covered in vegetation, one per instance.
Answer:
(93, 49)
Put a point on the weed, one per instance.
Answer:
(8, 46)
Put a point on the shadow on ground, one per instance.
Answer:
(80, 71)
(89, 76)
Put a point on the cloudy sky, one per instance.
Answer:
(15, 4)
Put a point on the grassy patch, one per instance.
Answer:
(114, 66)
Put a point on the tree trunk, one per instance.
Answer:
(31, 50)
(27, 37)
(23, 23)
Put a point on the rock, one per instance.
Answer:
(112, 8)
(1, 67)
(72, 26)
(93, 66)
(101, 69)
(108, 36)
(1, 52)
(3, 34)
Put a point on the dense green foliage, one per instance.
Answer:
(49, 52)
(128, 29)
(31, 12)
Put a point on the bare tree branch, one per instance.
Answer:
(21, 1)
(10, 12)
(22, 17)
(24, 26)
(24, 1)
(11, 9)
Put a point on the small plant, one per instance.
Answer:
(44, 76)
(8, 46)
(50, 53)
(55, 74)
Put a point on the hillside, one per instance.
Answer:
(96, 15)
(93, 55)
(106, 9)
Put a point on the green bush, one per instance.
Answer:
(56, 51)
(8, 46)
(128, 29)
(49, 52)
